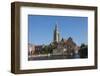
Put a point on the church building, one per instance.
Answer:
(59, 46)
(63, 46)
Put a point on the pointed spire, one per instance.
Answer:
(56, 26)
(56, 33)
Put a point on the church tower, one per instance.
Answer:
(56, 34)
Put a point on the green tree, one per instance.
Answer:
(83, 52)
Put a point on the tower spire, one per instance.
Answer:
(56, 34)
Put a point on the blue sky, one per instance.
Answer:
(40, 28)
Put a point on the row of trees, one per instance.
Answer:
(83, 51)
(47, 49)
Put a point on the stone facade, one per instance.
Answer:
(65, 47)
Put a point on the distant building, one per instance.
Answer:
(38, 49)
(63, 46)
(31, 49)
(34, 49)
